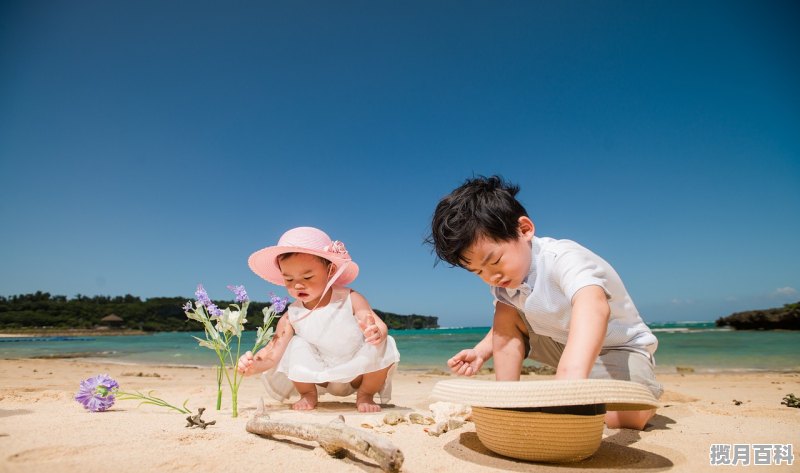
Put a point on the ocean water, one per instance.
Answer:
(698, 345)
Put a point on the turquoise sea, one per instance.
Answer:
(698, 345)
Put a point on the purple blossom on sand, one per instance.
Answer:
(278, 303)
(97, 393)
(241, 294)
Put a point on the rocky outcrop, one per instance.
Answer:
(782, 318)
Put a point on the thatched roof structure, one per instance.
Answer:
(111, 318)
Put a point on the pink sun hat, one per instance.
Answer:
(313, 241)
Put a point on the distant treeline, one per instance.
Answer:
(403, 322)
(157, 314)
(781, 318)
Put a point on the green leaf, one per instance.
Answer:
(194, 316)
(205, 343)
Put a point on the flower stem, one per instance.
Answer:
(234, 403)
(150, 399)
(219, 387)
(236, 378)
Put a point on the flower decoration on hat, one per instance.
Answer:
(336, 247)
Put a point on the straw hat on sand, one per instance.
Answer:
(545, 421)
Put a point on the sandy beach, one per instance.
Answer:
(42, 429)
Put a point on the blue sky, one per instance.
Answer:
(149, 146)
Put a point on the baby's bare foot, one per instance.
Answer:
(365, 403)
(307, 402)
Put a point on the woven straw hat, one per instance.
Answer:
(545, 421)
(616, 395)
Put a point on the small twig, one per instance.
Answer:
(196, 421)
(790, 400)
(334, 438)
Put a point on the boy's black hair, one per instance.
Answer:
(481, 207)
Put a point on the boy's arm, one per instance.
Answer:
(508, 343)
(505, 341)
(484, 347)
(468, 362)
(587, 330)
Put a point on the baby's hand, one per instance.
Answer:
(250, 364)
(465, 363)
(245, 364)
(372, 333)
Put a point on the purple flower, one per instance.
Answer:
(278, 304)
(188, 306)
(214, 310)
(241, 294)
(202, 296)
(97, 393)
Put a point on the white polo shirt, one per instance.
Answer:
(559, 268)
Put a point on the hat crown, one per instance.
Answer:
(308, 238)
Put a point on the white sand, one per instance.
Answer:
(42, 429)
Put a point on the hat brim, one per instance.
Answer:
(264, 262)
(615, 394)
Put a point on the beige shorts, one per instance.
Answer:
(612, 363)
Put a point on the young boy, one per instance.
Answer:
(555, 301)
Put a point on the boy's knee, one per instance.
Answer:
(636, 420)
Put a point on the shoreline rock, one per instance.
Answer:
(782, 318)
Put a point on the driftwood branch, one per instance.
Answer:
(336, 438)
(196, 421)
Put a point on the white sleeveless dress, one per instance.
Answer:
(328, 347)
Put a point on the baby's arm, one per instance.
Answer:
(587, 330)
(271, 354)
(375, 330)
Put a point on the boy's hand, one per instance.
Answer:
(372, 333)
(466, 362)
